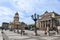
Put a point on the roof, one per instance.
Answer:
(48, 15)
(16, 13)
(5, 23)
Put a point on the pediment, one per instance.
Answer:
(46, 17)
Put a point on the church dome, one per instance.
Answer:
(16, 13)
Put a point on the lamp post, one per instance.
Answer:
(35, 17)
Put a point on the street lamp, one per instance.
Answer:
(35, 17)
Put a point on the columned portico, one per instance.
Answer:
(49, 21)
(47, 25)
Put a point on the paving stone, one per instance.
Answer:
(10, 35)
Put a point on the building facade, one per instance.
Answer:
(16, 24)
(5, 25)
(48, 19)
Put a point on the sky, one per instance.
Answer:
(26, 8)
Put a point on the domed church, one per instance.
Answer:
(16, 24)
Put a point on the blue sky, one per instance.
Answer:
(26, 8)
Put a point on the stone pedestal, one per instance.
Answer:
(48, 31)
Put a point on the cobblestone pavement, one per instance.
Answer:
(10, 35)
(1, 38)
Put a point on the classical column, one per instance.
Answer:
(51, 24)
(45, 28)
(40, 24)
(48, 28)
(14, 28)
(45, 24)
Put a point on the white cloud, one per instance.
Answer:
(29, 7)
(27, 20)
(5, 11)
(34, 5)
(26, 8)
(5, 14)
(23, 5)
